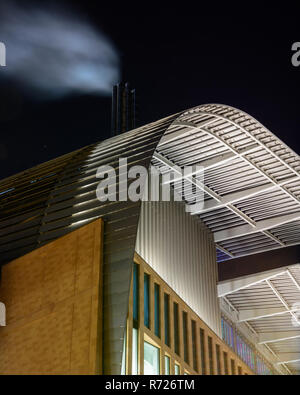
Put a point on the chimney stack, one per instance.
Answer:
(123, 109)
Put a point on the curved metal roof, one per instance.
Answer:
(251, 178)
(251, 190)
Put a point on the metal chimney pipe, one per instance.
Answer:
(123, 109)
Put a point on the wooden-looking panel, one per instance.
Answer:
(53, 299)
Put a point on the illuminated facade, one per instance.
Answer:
(154, 303)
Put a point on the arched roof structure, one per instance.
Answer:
(251, 189)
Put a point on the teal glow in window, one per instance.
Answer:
(156, 310)
(146, 300)
(167, 319)
(185, 337)
(177, 369)
(135, 292)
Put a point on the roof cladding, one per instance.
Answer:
(246, 170)
(251, 183)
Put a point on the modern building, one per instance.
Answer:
(156, 287)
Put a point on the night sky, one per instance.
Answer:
(176, 58)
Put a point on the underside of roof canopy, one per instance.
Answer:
(251, 178)
(269, 304)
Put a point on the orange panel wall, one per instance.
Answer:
(53, 299)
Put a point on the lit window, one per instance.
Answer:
(167, 365)
(151, 359)
(177, 369)
(134, 351)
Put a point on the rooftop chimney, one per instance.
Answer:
(123, 109)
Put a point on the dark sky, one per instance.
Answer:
(176, 58)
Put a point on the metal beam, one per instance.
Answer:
(293, 279)
(251, 224)
(261, 226)
(193, 125)
(218, 161)
(250, 135)
(202, 187)
(238, 284)
(224, 250)
(288, 357)
(166, 139)
(256, 314)
(242, 195)
(189, 178)
(283, 301)
(275, 337)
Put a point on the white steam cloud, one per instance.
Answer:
(56, 52)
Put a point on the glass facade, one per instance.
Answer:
(165, 336)
(243, 349)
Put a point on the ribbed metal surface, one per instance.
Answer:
(180, 248)
(251, 178)
(53, 199)
(239, 155)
